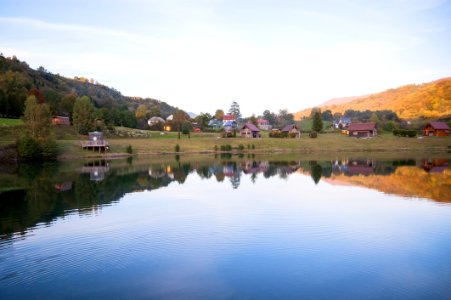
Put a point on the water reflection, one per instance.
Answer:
(39, 194)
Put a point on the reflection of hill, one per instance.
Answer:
(405, 181)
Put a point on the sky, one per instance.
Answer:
(264, 54)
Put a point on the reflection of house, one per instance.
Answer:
(96, 169)
(362, 130)
(96, 142)
(436, 129)
(250, 131)
(291, 130)
(253, 167)
(263, 124)
(435, 165)
(360, 167)
(58, 120)
(63, 186)
(229, 170)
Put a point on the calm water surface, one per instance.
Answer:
(227, 228)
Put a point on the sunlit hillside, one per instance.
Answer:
(428, 100)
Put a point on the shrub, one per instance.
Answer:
(29, 149)
(411, 133)
(313, 135)
(216, 148)
(228, 147)
(240, 147)
(222, 148)
(253, 146)
(129, 149)
(49, 150)
(177, 148)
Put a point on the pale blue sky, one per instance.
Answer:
(202, 55)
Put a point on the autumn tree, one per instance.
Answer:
(83, 115)
(141, 112)
(219, 114)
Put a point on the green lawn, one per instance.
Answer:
(325, 143)
(10, 122)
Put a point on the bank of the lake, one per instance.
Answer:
(202, 143)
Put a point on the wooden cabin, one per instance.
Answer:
(436, 129)
(250, 131)
(291, 130)
(362, 130)
(96, 142)
(59, 120)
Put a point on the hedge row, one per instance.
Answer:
(405, 132)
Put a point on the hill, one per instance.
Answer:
(428, 100)
(18, 80)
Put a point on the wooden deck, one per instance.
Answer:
(95, 145)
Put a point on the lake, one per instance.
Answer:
(227, 227)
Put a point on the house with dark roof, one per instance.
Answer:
(436, 129)
(249, 130)
(362, 130)
(291, 130)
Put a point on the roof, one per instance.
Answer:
(439, 125)
(251, 127)
(289, 127)
(361, 126)
(229, 118)
(156, 120)
(262, 121)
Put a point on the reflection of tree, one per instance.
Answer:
(316, 171)
(235, 181)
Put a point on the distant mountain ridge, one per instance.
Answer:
(427, 100)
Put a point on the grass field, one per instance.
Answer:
(325, 143)
(10, 122)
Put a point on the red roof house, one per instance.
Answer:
(362, 130)
(59, 120)
(436, 129)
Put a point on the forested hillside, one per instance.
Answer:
(18, 81)
(428, 100)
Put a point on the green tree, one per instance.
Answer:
(37, 119)
(375, 119)
(66, 106)
(38, 142)
(317, 122)
(285, 118)
(235, 110)
(327, 115)
(270, 117)
(252, 119)
(83, 115)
